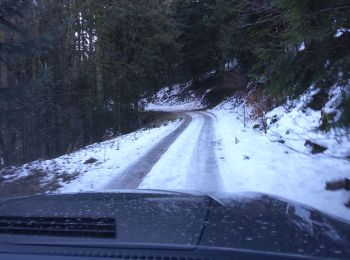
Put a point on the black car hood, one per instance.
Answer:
(242, 221)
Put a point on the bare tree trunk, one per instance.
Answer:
(99, 78)
(3, 75)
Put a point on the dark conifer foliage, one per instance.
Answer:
(72, 69)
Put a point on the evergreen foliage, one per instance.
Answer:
(71, 69)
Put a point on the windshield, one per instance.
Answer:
(195, 96)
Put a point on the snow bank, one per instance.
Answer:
(278, 163)
(297, 123)
(113, 157)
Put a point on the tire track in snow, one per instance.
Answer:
(204, 173)
(132, 177)
(191, 162)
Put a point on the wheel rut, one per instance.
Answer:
(204, 175)
(132, 177)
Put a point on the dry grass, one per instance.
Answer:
(154, 119)
(35, 183)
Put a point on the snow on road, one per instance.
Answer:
(215, 152)
(224, 155)
(191, 162)
(112, 159)
(171, 171)
(219, 154)
(136, 172)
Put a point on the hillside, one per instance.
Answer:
(278, 158)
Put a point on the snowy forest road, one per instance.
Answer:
(184, 159)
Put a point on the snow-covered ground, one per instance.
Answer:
(276, 163)
(296, 123)
(112, 156)
(222, 151)
(175, 98)
(253, 161)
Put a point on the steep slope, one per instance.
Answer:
(279, 162)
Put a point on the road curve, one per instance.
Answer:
(135, 173)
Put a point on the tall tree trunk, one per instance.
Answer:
(3, 75)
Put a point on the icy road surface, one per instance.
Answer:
(191, 162)
(184, 159)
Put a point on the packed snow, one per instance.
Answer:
(179, 168)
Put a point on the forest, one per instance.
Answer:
(72, 72)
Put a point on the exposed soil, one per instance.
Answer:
(38, 182)
(151, 119)
(34, 183)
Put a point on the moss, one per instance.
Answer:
(326, 121)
